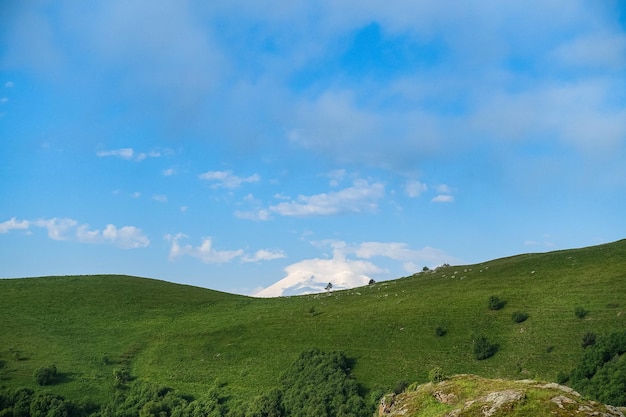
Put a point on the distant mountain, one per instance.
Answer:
(302, 284)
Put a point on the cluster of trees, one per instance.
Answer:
(317, 384)
(25, 402)
(601, 372)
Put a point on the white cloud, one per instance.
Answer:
(184, 208)
(255, 215)
(128, 154)
(136, 194)
(207, 253)
(124, 153)
(204, 252)
(443, 198)
(168, 172)
(8, 84)
(336, 176)
(362, 197)
(593, 50)
(13, 224)
(160, 198)
(400, 252)
(264, 255)
(3, 100)
(415, 188)
(227, 179)
(57, 228)
(127, 237)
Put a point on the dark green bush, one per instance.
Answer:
(519, 317)
(121, 375)
(441, 331)
(562, 377)
(400, 386)
(45, 375)
(580, 312)
(483, 349)
(495, 303)
(589, 339)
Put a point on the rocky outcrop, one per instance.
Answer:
(473, 396)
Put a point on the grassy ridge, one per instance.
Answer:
(187, 337)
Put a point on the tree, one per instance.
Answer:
(45, 375)
(495, 303)
(484, 349)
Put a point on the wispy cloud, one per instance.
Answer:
(361, 197)
(204, 252)
(443, 198)
(264, 255)
(207, 253)
(227, 179)
(414, 188)
(126, 237)
(161, 198)
(255, 215)
(13, 224)
(128, 154)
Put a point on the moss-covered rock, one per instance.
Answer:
(473, 396)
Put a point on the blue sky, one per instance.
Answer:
(234, 145)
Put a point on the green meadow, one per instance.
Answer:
(188, 338)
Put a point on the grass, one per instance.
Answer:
(188, 338)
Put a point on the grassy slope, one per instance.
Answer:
(186, 337)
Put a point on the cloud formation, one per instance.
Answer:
(206, 253)
(126, 237)
(361, 197)
(128, 154)
(227, 179)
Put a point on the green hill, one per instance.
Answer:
(186, 337)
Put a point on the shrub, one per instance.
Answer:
(400, 387)
(121, 375)
(495, 303)
(436, 374)
(589, 339)
(562, 378)
(441, 331)
(45, 375)
(519, 316)
(580, 312)
(483, 349)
